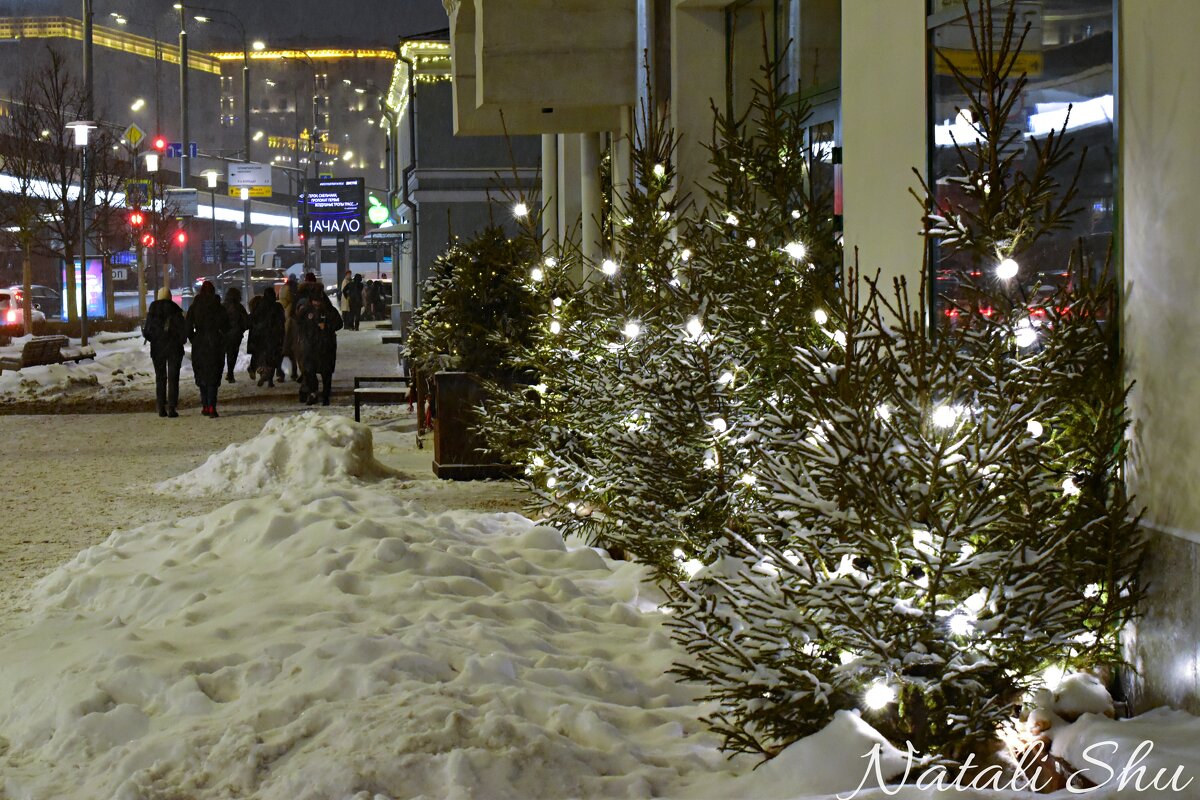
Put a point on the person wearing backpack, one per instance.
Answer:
(239, 323)
(166, 330)
(207, 325)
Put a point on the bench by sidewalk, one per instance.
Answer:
(42, 350)
(390, 393)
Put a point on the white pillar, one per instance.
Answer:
(883, 134)
(549, 197)
(1159, 81)
(697, 80)
(568, 187)
(589, 180)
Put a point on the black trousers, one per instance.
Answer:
(208, 393)
(308, 385)
(231, 357)
(166, 381)
(353, 316)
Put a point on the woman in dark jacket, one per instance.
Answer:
(207, 327)
(319, 322)
(266, 335)
(239, 323)
(166, 330)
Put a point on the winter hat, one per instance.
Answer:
(163, 294)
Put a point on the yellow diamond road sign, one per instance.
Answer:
(133, 135)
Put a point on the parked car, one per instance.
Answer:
(45, 299)
(260, 278)
(13, 312)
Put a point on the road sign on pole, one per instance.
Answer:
(133, 135)
(175, 150)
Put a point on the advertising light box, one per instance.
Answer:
(95, 289)
(334, 206)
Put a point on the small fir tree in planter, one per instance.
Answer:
(476, 320)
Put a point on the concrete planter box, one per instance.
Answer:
(459, 450)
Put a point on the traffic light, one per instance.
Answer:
(181, 238)
(136, 218)
(159, 143)
(148, 240)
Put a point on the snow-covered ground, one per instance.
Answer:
(337, 624)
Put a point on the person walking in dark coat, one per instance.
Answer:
(373, 301)
(266, 335)
(319, 323)
(208, 325)
(354, 297)
(165, 329)
(239, 323)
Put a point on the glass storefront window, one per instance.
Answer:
(1068, 58)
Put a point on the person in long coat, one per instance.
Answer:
(266, 335)
(354, 296)
(319, 323)
(239, 323)
(207, 325)
(165, 329)
(287, 299)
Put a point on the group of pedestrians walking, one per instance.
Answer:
(360, 301)
(300, 325)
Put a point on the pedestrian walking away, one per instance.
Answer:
(354, 298)
(319, 323)
(266, 335)
(372, 302)
(165, 329)
(208, 325)
(287, 300)
(344, 305)
(239, 323)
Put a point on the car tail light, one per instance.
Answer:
(12, 316)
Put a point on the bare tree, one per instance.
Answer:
(40, 154)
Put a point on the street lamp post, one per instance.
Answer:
(152, 169)
(82, 129)
(211, 176)
(185, 132)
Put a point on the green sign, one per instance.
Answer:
(377, 212)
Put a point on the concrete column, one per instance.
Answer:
(697, 80)
(589, 184)
(883, 134)
(622, 154)
(1158, 83)
(549, 198)
(568, 187)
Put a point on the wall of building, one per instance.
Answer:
(1160, 168)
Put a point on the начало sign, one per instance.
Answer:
(334, 206)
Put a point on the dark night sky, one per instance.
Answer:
(357, 22)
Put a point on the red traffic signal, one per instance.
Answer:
(136, 219)
(159, 143)
(181, 238)
(147, 240)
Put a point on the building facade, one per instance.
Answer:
(1121, 75)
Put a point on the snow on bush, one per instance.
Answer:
(121, 369)
(344, 646)
(295, 453)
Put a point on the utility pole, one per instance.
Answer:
(184, 161)
(85, 179)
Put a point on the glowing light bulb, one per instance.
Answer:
(539, 462)
(1035, 428)
(695, 327)
(555, 326)
(883, 412)
(961, 625)
(796, 250)
(520, 210)
(1007, 269)
(820, 316)
(752, 243)
(719, 425)
(795, 213)
(749, 479)
(659, 170)
(1070, 488)
(551, 262)
(556, 302)
(944, 417)
(731, 219)
(839, 337)
(632, 330)
(726, 378)
(1025, 335)
(608, 267)
(685, 256)
(879, 696)
(541, 388)
(536, 274)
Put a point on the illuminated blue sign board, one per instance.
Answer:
(334, 206)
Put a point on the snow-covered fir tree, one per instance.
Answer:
(942, 512)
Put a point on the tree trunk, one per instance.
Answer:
(26, 285)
